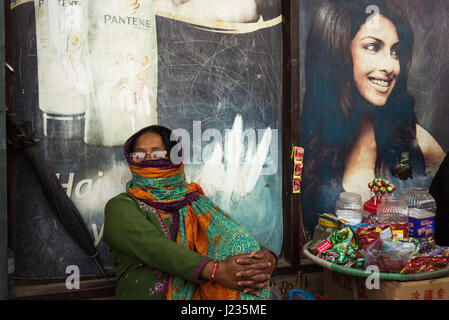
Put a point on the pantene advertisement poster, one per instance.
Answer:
(93, 72)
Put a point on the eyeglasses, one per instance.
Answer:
(155, 155)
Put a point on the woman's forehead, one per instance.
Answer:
(151, 139)
(379, 27)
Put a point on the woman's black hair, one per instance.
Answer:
(163, 132)
(333, 108)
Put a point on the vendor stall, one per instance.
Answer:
(392, 242)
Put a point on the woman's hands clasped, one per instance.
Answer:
(248, 272)
(259, 268)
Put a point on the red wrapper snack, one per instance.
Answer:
(366, 235)
(399, 231)
(425, 264)
(323, 247)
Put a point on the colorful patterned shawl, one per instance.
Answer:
(198, 224)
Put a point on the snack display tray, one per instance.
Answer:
(382, 275)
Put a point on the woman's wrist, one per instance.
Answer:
(214, 271)
(206, 271)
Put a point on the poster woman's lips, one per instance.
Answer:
(381, 85)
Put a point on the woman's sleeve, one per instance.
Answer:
(127, 230)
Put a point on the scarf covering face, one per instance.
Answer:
(198, 224)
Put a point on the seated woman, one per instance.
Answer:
(168, 241)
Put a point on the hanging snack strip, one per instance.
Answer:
(297, 156)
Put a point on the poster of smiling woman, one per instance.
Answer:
(373, 96)
(93, 72)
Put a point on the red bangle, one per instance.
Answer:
(212, 278)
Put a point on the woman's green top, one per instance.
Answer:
(142, 252)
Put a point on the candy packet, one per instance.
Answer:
(389, 255)
(341, 239)
(366, 234)
(425, 264)
(350, 257)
